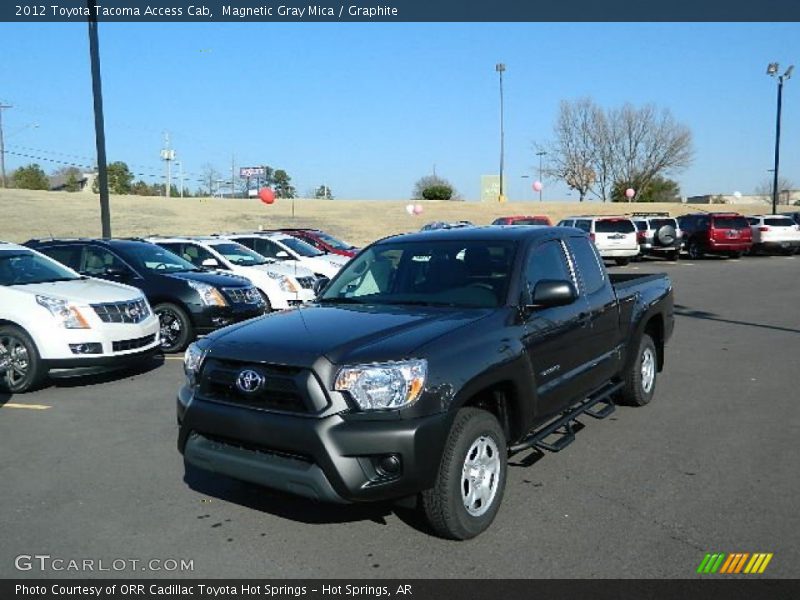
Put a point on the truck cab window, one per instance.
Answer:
(587, 263)
(546, 261)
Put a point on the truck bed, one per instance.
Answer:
(622, 281)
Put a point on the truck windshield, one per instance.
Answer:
(25, 268)
(438, 273)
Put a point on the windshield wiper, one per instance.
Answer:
(54, 280)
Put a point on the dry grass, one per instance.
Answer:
(28, 214)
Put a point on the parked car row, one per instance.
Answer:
(67, 303)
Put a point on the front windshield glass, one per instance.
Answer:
(471, 273)
(24, 267)
(334, 242)
(155, 258)
(300, 247)
(240, 255)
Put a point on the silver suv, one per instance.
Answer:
(658, 234)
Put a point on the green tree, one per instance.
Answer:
(658, 189)
(323, 192)
(283, 184)
(69, 178)
(433, 187)
(31, 177)
(120, 179)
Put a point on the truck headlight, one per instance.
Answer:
(69, 316)
(193, 358)
(387, 385)
(210, 295)
(284, 282)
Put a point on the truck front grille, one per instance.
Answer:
(135, 311)
(270, 387)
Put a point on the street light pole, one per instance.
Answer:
(2, 147)
(772, 70)
(540, 154)
(99, 123)
(500, 68)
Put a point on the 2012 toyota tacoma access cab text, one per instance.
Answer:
(427, 361)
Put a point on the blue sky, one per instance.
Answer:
(369, 108)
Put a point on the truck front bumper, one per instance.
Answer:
(338, 458)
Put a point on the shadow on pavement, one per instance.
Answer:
(295, 508)
(4, 397)
(98, 376)
(685, 311)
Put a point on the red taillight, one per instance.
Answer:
(640, 237)
(764, 228)
(591, 236)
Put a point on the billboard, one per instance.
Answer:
(248, 172)
(490, 187)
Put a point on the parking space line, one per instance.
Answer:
(28, 406)
(173, 358)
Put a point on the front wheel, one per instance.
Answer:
(176, 328)
(23, 371)
(694, 251)
(639, 383)
(472, 477)
(622, 261)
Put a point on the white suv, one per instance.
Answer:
(283, 247)
(53, 318)
(614, 237)
(658, 234)
(774, 232)
(281, 286)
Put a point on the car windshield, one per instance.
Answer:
(155, 258)
(300, 247)
(730, 223)
(468, 274)
(240, 255)
(25, 267)
(614, 226)
(334, 242)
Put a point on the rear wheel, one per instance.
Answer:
(472, 477)
(673, 255)
(694, 250)
(622, 261)
(24, 371)
(176, 328)
(640, 378)
(734, 255)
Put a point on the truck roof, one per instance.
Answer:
(487, 233)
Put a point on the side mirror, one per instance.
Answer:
(211, 263)
(319, 285)
(281, 254)
(551, 292)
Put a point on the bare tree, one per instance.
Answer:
(765, 187)
(596, 150)
(209, 176)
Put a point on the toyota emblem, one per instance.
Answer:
(249, 381)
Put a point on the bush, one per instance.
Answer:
(437, 192)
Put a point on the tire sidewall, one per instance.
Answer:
(482, 423)
(643, 397)
(35, 374)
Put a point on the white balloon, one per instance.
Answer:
(410, 209)
(737, 194)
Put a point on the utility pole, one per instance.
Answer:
(99, 122)
(772, 71)
(500, 68)
(540, 154)
(2, 147)
(233, 180)
(168, 155)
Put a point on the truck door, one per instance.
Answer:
(598, 354)
(552, 336)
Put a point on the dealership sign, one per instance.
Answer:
(248, 172)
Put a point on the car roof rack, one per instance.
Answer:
(650, 214)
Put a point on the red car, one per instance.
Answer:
(716, 233)
(323, 241)
(522, 220)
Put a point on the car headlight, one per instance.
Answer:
(383, 385)
(69, 316)
(210, 295)
(284, 282)
(193, 358)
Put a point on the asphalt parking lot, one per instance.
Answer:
(89, 470)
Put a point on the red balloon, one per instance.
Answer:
(267, 195)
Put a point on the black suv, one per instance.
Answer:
(187, 300)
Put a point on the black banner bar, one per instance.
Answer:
(204, 11)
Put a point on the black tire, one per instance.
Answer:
(444, 506)
(635, 391)
(25, 372)
(694, 250)
(267, 303)
(622, 261)
(176, 327)
(734, 255)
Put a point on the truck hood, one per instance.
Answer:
(342, 334)
(83, 291)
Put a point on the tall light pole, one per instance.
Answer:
(500, 68)
(2, 147)
(540, 154)
(772, 71)
(99, 122)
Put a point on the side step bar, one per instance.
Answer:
(536, 437)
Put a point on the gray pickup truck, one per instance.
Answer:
(427, 361)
